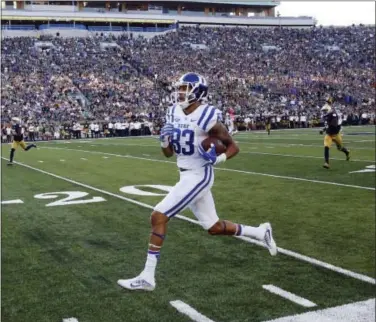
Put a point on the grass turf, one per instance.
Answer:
(64, 261)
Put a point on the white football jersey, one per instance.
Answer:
(228, 122)
(189, 131)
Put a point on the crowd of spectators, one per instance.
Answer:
(287, 73)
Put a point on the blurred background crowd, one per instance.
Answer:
(74, 87)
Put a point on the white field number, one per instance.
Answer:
(70, 199)
(135, 190)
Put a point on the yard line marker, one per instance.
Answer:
(287, 252)
(225, 169)
(62, 160)
(189, 311)
(359, 311)
(105, 157)
(9, 202)
(70, 320)
(84, 159)
(289, 296)
(40, 161)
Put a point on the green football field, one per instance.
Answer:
(75, 219)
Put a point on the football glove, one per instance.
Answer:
(211, 155)
(165, 135)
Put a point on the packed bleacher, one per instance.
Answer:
(286, 73)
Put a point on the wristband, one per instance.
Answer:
(221, 158)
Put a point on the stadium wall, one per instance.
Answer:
(158, 18)
(69, 33)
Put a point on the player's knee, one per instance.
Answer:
(216, 229)
(339, 147)
(157, 218)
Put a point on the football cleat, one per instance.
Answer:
(10, 163)
(326, 165)
(268, 239)
(137, 283)
(348, 156)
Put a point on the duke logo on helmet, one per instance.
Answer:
(190, 88)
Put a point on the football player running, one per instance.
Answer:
(333, 132)
(188, 122)
(18, 139)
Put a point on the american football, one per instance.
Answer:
(219, 146)
(192, 129)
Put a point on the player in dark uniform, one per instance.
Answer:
(268, 124)
(18, 141)
(332, 130)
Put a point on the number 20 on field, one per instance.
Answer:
(75, 197)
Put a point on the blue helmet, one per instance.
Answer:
(196, 89)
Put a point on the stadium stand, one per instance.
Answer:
(283, 72)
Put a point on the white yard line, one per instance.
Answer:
(359, 311)
(70, 320)
(287, 252)
(224, 169)
(189, 311)
(289, 296)
(10, 202)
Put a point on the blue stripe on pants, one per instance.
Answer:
(192, 194)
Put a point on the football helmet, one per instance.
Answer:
(190, 88)
(326, 108)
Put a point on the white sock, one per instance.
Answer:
(249, 231)
(150, 265)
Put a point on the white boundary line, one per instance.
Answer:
(287, 252)
(289, 296)
(189, 311)
(70, 320)
(222, 169)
